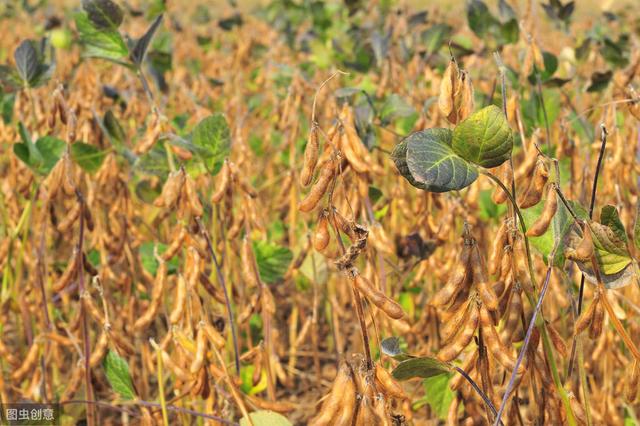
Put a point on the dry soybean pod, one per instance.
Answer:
(242, 181)
(69, 219)
(215, 338)
(223, 183)
(310, 157)
(452, 324)
(319, 188)
(456, 280)
(248, 265)
(388, 384)
(536, 187)
(584, 250)
(485, 291)
(631, 392)
(170, 190)
(512, 323)
(462, 339)
(595, 328)
(156, 297)
(176, 244)
(500, 240)
(180, 300)
(321, 236)
(68, 274)
(343, 387)
(390, 307)
(191, 195)
(491, 338)
(28, 364)
(585, 319)
(557, 340)
(99, 350)
(201, 351)
(541, 224)
(448, 88)
(499, 196)
(380, 410)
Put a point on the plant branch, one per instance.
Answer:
(479, 391)
(227, 301)
(592, 203)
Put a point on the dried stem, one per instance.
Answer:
(227, 301)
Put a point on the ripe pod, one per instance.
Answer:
(462, 339)
(321, 236)
(312, 199)
(310, 157)
(375, 296)
(541, 225)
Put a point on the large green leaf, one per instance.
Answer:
(117, 371)
(484, 138)
(614, 261)
(420, 367)
(432, 164)
(438, 394)
(41, 156)
(104, 14)
(87, 156)
(27, 61)
(100, 43)
(480, 19)
(213, 137)
(611, 249)
(273, 261)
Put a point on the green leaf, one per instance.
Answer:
(105, 44)
(113, 128)
(104, 14)
(147, 192)
(149, 261)
(438, 394)
(212, 135)
(266, 418)
(424, 367)
(87, 156)
(611, 250)
(273, 261)
(395, 107)
(484, 138)
(489, 209)
(480, 20)
(27, 61)
(50, 150)
(609, 217)
(7, 101)
(155, 161)
(117, 371)
(435, 36)
(141, 45)
(427, 161)
(10, 78)
(40, 157)
(560, 227)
